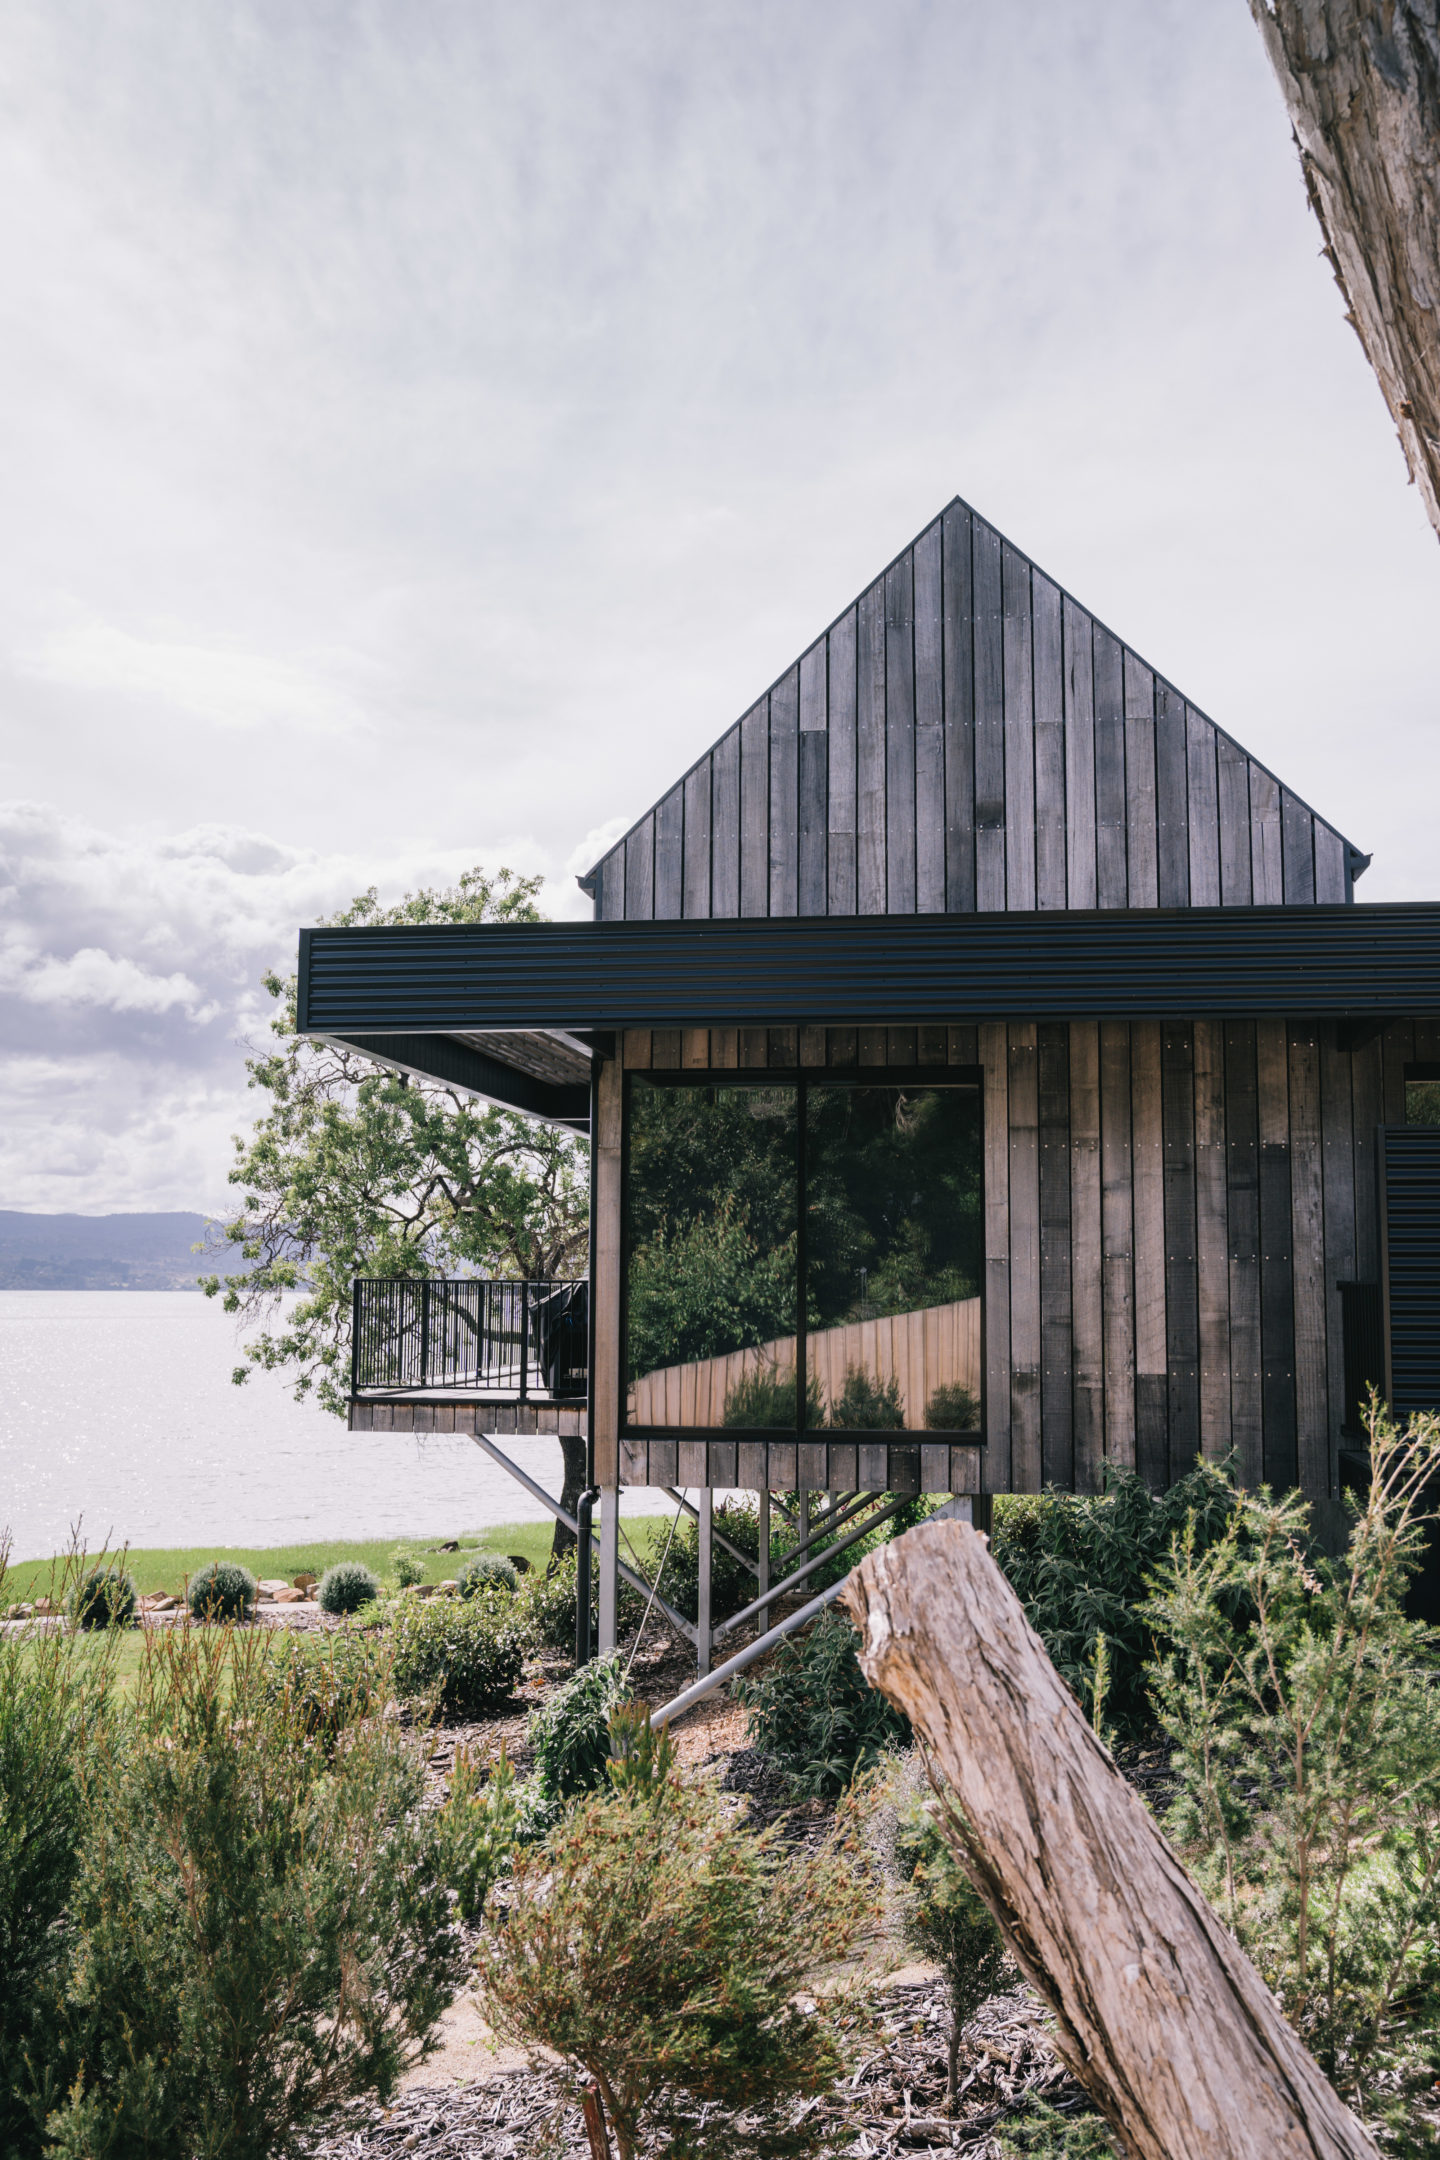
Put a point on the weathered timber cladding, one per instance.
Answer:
(1169, 1207)
(967, 737)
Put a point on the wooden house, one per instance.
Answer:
(971, 915)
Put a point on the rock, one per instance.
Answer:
(159, 1601)
(288, 1595)
(451, 1544)
(45, 1605)
(274, 1584)
(449, 1587)
(519, 1562)
(20, 1612)
(306, 1583)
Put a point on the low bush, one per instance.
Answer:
(732, 1585)
(478, 1829)
(463, 1656)
(814, 1714)
(257, 1935)
(658, 1947)
(944, 1917)
(406, 1568)
(103, 1597)
(346, 1586)
(488, 1568)
(323, 1684)
(952, 1408)
(549, 1602)
(221, 1590)
(570, 1734)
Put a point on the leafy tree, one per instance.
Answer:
(352, 1169)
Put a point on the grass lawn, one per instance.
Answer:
(167, 1569)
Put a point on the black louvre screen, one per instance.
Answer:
(1412, 1215)
(1362, 1320)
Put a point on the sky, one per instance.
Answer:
(425, 429)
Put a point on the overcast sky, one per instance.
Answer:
(427, 426)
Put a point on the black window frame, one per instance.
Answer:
(968, 1079)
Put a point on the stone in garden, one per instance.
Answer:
(519, 1562)
(306, 1583)
(288, 1596)
(43, 1605)
(450, 1586)
(272, 1585)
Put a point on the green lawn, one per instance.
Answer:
(168, 1569)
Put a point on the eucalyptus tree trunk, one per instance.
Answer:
(1361, 79)
(1158, 2012)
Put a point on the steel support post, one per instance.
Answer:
(609, 1568)
(703, 1627)
(763, 1570)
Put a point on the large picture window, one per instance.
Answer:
(802, 1255)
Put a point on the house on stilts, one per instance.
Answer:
(990, 1078)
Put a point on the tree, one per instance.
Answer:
(1361, 81)
(353, 1169)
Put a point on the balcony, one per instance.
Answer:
(427, 1355)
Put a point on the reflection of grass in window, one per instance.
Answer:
(1422, 1102)
(706, 1287)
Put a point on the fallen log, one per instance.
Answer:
(1160, 2016)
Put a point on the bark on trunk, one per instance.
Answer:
(1161, 2017)
(572, 1485)
(1361, 79)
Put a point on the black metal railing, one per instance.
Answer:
(465, 1335)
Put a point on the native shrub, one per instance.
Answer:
(550, 1600)
(813, 1712)
(658, 1947)
(1081, 1566)
(221, 1590)
(570, 1734)
(732, 1585)
(1302, 1706)
(323, 1684)
(407, 1568)
(478, 1827)
(943, 1915)
(952, 1408)
(103, 1597)
(463, 1655)
(346, 1586)
(488, 1568)
(259, 1935)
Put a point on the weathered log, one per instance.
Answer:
(1361, 82)
(1160, 2015)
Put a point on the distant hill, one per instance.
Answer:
(100, 1252)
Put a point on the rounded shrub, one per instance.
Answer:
(464, 1655)
(347, 1586)
(103, 1597)
(488, 1568)
(406, 1568)
(221, 1590)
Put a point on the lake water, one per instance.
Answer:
(117, 1412)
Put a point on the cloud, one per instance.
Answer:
(92, 976)
(227, 687)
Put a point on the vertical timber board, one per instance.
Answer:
(1172, 807)
(696, 881)
(1397, 1048)
(840, 736)
(814, 763)
(1332, 872)
(900, 737)
(1117, 1230)
(1057, 1432)
(755, 810)
(1203, 810)
(1242, 1199)
(1337, 1153)
(640, 872)
(606, 1379)
(1050, 880)
(929, 726)
(1212, 1239)
(1111, 884)
(1233, 793)
(993, 1054)
(1086, 1250)
(1017, 665)
(725, 827)
(1142, 882)
(1182, 1311)
(959, 619)
(785, 794)
(989, 721)
(1152, 1452)
(1298, 832)
(610, 895)
(1307, 1244)
(1025, 1319)
(1267, 876)
(1277, 1270)
(1080, 857)
(669, 854)
(870, 753)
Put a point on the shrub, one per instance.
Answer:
(943, 1915)
(259, 1936)
(103, 1597)
(1309, 1757)
(866, 1405)
(549, 1602)
(407, 1568)
(488, 1568)
(570, 1734)
(323, 1684)
(478, 1828)
(952, 1408)
(813, 1712)
(1081, 1566)
(346, 1586)
(764, 1397)
(657, 1946)
(732, 1585)
(221, 1590)
(465, 1656)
